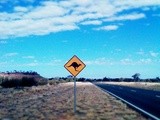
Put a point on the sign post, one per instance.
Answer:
(75, 96)
(74, 66)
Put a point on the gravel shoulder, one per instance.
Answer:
(55, 102)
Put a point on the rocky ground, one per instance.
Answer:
(55, 102)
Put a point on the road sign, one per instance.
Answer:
(74, 65)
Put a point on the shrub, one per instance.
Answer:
(24, 82)
(10, 83)
(42, 81)
(28, 82)
(69, 80)
(54, 82)
(1, 79)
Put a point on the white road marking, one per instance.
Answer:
(133, 90)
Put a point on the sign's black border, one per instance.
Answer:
(80, 61)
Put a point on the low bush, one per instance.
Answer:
(56, 81)
(53, 82)
(10, 83)
(1, 79)
(28, 82)
(69, 80)
(42, 81)
(24, 82)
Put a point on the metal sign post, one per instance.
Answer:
(75, 96)
(74, 66)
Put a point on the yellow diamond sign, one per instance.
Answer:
(74, 65)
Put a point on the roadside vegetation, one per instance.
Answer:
(19, 79)
(56, 103)
(31, 78)
(48, 98)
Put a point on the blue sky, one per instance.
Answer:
(114, 38)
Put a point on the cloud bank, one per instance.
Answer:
(50, 16)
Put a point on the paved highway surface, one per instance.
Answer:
(147, 100)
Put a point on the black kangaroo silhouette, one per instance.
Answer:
(75, 65)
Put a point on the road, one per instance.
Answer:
(146, 100)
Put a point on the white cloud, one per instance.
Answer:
(118, 50)
(146, 8)
(31, 64)
(20, 9)
(127, 61)
(56, 16)
(136, 4)
(46, 10)
(140, 52)
(150, 53)
(153, 54)
(145, 61)
(132, 16)
(10, 54)
(64, 41)
(108, 28)
(28, 57)
(54, 62)
(99, 61)
(93, 22)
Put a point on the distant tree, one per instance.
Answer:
(157, 79)
(69, 76)
(7, 72)
(105, 79)
(121, 79)
(15, 71)
(81, 79)
(136, 76)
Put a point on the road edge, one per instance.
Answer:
(128, 103)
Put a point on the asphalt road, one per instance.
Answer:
(147, 100)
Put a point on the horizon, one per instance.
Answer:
(70, 76)
(113, 38)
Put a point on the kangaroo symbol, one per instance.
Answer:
(75, 65)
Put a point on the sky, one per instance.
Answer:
(114, 38)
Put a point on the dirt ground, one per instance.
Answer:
(55, 102)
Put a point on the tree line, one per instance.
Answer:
(134, 78)
(21, 72)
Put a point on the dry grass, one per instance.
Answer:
(55, 102)
(144, 85)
